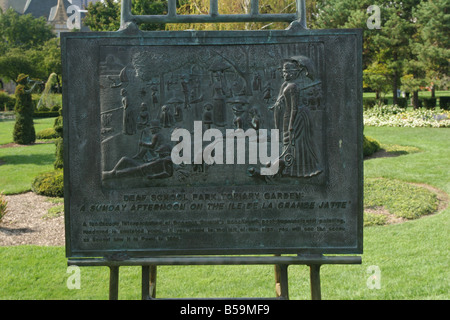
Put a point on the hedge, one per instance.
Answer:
(370, 146)
(45, 114)
(50, 184)
(428, 103)
(46, 134)
(444, 103)
(7, 102)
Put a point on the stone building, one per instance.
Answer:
(18, 5)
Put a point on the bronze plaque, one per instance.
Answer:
(213, 142)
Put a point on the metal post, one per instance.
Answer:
(301, 12)
(255, 7)
(281, 281)
(113, 283)
(152, 288)
(172, 8)
(125, 13)
(314, 275)
(213, 8)
(145, 282)
(127, 18)
(148, 282)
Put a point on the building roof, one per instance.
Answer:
(17, 5)
(42, 8)
(58, 14)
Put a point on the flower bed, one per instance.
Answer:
(393, 116)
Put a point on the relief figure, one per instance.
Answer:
(293, 119)
(147, 150)
(144, 116)
(219, 112)
(129, 124)
(158, 168)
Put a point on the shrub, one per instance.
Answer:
(59, 160)
(56, 108)
(58, 126)
(370, 146)
(399, 198)
(402, 102)
(429, 103)
(372, 219)
(50, 184)
(3, 206)
(24, 132)
(48, 133)
(45, 114)
(369, 103)
(7, 102)
(444, 103)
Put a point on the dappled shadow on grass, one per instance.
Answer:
(16, 145)
(388, 151)
(36, 159)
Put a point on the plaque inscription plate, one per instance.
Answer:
(134, 102)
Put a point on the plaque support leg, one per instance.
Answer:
(145, 282)
(153, 281)
(314, 275)
(113, 282)
(281, 281)
(148, 282)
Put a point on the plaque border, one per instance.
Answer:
(201, 38)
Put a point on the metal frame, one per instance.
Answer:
(281, 263)
(213, 16)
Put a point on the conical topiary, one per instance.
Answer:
(24, 132)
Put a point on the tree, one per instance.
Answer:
(431, 45)
(392, 41)
(377, 77)
(339, 14)
(28, 46)
(103, 16)
(48, 59)
(384, 49)
(37, 62)
(23, 31)
(14, 62)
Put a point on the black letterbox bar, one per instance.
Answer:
(213, 16)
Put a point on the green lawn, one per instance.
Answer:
(7, 127)
(21, 164)
(413, 257)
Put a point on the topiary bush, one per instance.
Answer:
(3, 206)
(24, 132)
(58, 127)
(50, 184)
(370, 146)
(47, 134)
